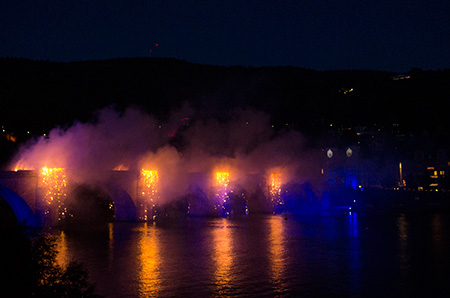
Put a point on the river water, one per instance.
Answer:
(351, 255)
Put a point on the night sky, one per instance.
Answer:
(317, 34)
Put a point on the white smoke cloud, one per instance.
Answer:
(243, 142)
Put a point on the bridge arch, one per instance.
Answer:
(24, 214)
(95, 199)
(124, 207)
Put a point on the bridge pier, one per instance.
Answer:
(30, 195)
(134, 195)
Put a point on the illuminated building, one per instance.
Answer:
(402, 182)
(400, 77)
(345, 90)
(436, 178)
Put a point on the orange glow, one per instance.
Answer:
(149, 184)
(275, 188)
(10, 137)
(54, 183)
(277, 252)
(149, 279)
(16, 169)
(20, 166)
(221, 187)
(275, 185)
(121, 168)
(223, 258)
(222, 179)
(150, 180)
(63, 257)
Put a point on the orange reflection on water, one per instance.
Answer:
(403, 233)
(62, 258)
(149, 258)
(277, 250)
(222, 257)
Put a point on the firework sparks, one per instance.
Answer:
(53, 182)
(275, 188)
(222, 179)
(149, 183)
(222, 182)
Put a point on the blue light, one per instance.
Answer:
(354, 201)
(350, 179)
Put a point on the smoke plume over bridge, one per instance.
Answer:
(142, 168)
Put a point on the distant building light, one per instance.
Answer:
(401, 77)
(349, 152)
(329, 153)
(346, 91)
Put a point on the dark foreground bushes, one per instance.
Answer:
(30, 269)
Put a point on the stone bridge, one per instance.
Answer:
(35, 201)
(25, 194)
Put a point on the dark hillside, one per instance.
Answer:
(37, 95)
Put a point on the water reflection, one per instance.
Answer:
(439, 246)
(149, 273)
(437, 234)
(353, 225)
(267, 256)
(222, 257)
(403, 227)
(111, 243)
(61, 245)
(277, 253)
(355, 252)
